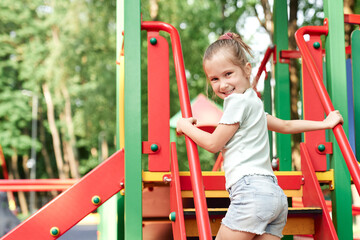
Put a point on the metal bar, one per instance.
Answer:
(352, 18)
(313, 197)
(38, 182)
(37, 188)
(193, 156)
(262, 68)
(218, 163)
(178, 226)
(338, 130)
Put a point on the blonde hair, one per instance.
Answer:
(234, 45)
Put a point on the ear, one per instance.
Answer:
(247, 70)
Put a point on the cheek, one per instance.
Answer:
(213, 86)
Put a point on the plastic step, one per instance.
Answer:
(300, 221)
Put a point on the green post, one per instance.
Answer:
(268, 107)
(355, 48)
(133, 181)
(282, 82)
(336, 82)
(282, 85)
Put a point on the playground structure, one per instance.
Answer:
(196, 201)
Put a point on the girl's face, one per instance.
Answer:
(225, 77)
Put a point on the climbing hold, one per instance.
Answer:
(54, 231)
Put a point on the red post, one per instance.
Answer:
(312, 106)
(158, 102)
(193, 156)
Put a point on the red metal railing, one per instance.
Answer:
(338, 130)
(193, 156)
(270, 50)
(352, 18)
(38, 185)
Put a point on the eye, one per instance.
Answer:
(228, 74)
(214, 79)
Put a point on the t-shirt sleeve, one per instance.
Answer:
(235, 109)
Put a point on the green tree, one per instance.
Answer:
(65, 50)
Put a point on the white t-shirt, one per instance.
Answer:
(247, 152)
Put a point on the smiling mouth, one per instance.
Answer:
(229, 92)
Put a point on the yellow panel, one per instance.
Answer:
(209, 194)
(287, 173)
(209, 209)
(299, 226)
(326, 177)
(294, 226)
(191, 227)
(294, 193)
(154, 176)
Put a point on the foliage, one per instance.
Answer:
(68, 45)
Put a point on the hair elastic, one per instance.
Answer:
(227, 35)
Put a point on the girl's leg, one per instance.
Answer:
(226, 233)
(266, 236)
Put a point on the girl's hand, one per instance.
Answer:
(182, 123)
(333, 119)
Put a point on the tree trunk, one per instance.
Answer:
(15, 175)
(66, 157)
(268, 23)
(154, 8)
(104, 149)
(348, 9)
(44, 152)
(54, 131)
(71, 150)
(25, 159)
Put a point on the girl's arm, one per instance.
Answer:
(212, 142)
(297, 126)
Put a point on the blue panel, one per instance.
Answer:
(350, 96)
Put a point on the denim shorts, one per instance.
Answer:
(257, 205)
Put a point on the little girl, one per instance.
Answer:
(258, 207)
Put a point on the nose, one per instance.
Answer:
(223, 85)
